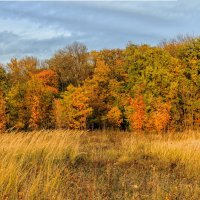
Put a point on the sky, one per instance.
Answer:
(41, 28)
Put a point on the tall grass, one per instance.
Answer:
(95, 165)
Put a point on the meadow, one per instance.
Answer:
(99, 165)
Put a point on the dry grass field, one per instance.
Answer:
(99, 165)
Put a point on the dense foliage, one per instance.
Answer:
(141, 88)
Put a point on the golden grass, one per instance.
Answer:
(99, 165)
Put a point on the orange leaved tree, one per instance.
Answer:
(136, 113)
(161, 116)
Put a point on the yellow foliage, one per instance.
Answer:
(73, 110)
(114, 116)
(35, 113)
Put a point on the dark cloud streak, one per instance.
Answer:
(98, 24)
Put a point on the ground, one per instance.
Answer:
(99, 165)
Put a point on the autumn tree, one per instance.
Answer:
(35, 116)
(21, 70)
(59, 114)
(190, 81)
(3, 90)
(160, 117)
(42, 88)
(71, 64)
(3, 79)
(99, 95)
(49, 79)
(17, 109)
(106, 88)
(72, 111)
(156, 74)
(114, 117)
(3, 118)
(136, 113)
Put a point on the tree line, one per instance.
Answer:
(139, 88)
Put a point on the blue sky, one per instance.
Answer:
(41, 28)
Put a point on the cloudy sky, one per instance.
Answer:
(41, 28)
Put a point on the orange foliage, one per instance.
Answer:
(49, 78)
(35, 113)
(161, 116)
(114, 116)
(80, 104)
(137, 114)
(58, 113)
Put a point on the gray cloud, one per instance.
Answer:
(40, 28)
